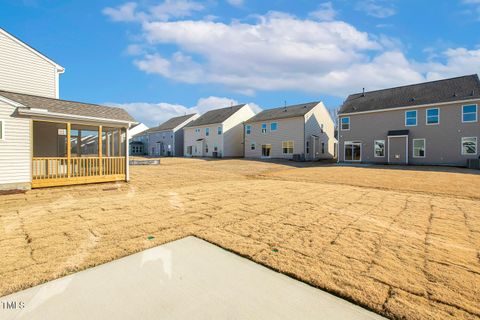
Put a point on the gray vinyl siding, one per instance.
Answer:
(443, 141)
(23, 71)
(179, 135)
(15, 148)
(291, 129)
(165, 137)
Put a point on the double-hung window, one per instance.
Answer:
(411, 118)
(287, 147)
(419, 148)
(264, 128)
(207, 131)
(248, 129)
(219, 130)
(273, 126)
(469, 113)
(2, 130)
(379, 148)
(252, 146)
(345, 124)
(469, 145)
(433, 116)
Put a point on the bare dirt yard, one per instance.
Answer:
(402, 242)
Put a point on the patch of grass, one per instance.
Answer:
(404, 243)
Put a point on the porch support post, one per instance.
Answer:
(69, 146)
(100, 153)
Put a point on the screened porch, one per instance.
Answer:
(69, 153)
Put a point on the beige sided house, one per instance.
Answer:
(306, 130)
(217, 133)
(431, 123)
(45, 141)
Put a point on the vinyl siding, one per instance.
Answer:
(14, 148)
(24, 71)
(443, 141)
(229, 143)
(291, 129)
(313, 121)
(233, 132)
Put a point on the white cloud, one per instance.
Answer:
(325, 12)
(236, 3)
(279, 51)
(125, 12)
(163, 12)
(376, 8)
(175, 9)
(458, 61)
(153, 114)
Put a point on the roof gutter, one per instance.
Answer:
(410, 107)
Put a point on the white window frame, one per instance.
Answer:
(476, 146)
(2, 130)
(261, 128)
(207, 132)
(476, 112)
(248, 129)
(426, 117)
(287, 142)
(416, 118)
(307, 147)
(219, 130)
(384, 147)
(352, 143)
(272, 130)
(341, 124)
(252, 146)
(424, 147)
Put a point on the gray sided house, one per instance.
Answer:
(139, 144)
(167, 139)
(217, 133)
(431, 123)
(305, 129)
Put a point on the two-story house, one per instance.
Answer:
(45, 141)
(167, 139)
(217, 133)
(305, 129)
(431, 123)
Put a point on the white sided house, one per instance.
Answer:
(45, 141)
(303, 131)
(217, 133)
(166, 140)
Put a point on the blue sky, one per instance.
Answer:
(164, 58)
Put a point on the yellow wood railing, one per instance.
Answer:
(49, 168)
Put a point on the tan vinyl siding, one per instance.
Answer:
(233, 132)
(229, 143)
(15, 148)
(291, 129)
(23, 71)
(313, 121)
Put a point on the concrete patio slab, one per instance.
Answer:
(184, 279)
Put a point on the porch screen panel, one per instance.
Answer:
(84, 141)
(49, 139)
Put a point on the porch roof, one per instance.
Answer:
(68, 108)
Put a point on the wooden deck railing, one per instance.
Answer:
(49, 168)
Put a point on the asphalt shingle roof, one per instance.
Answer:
(448, 90)
(171, 123)
(215, 116)
(298, 110)
(68, 107)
